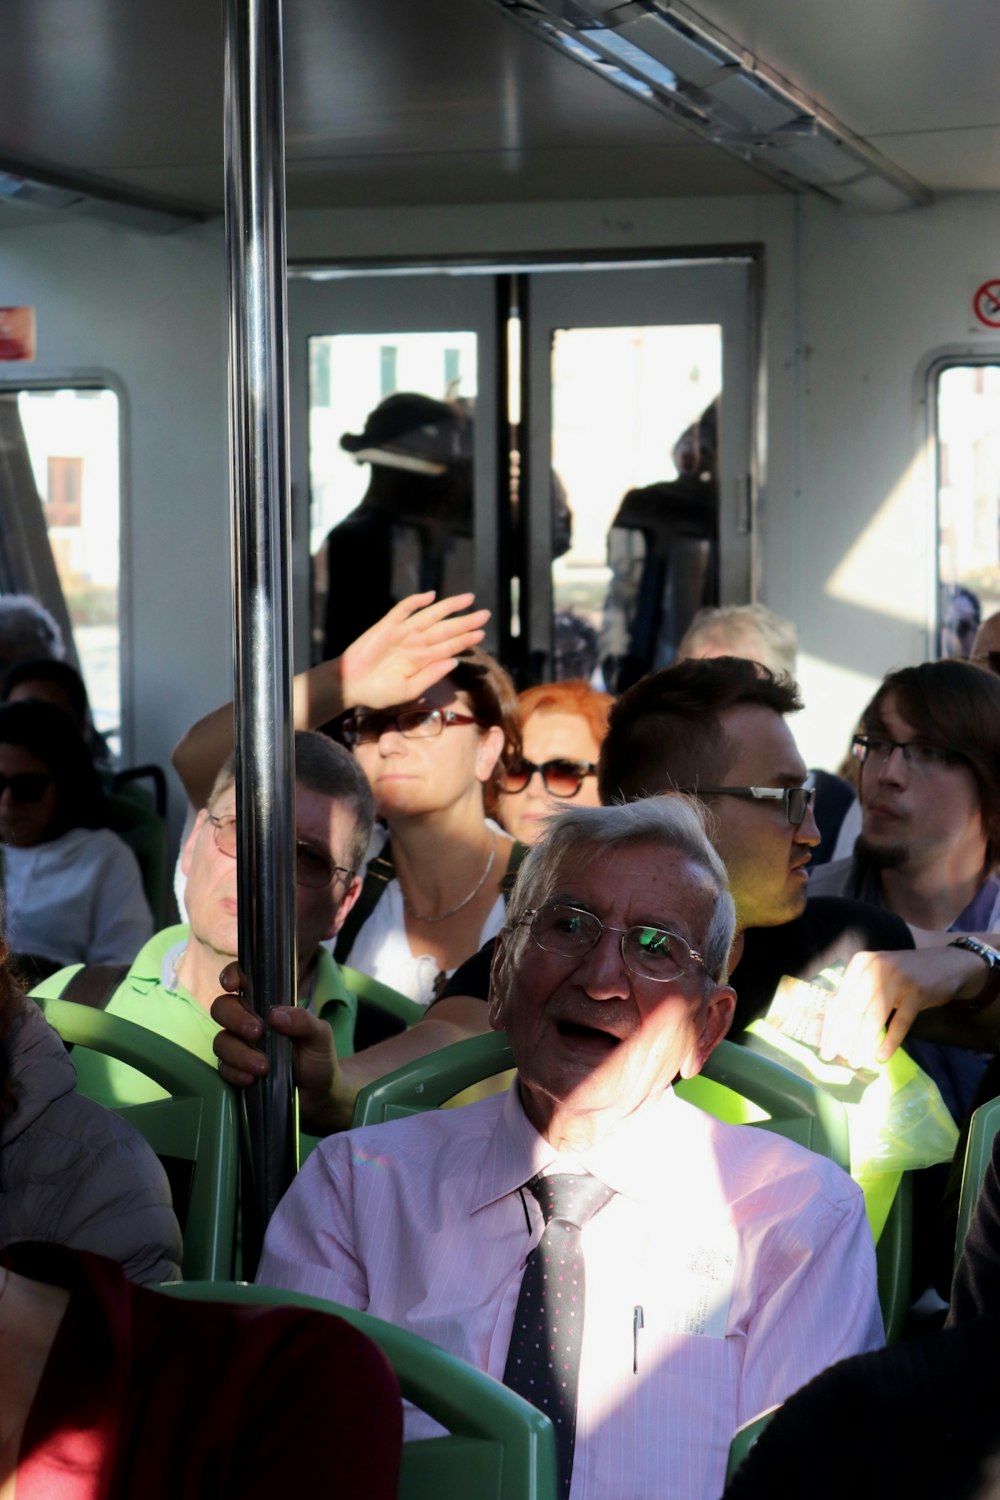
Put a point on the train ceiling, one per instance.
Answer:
(449, 101)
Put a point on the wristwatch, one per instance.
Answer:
(991, 984)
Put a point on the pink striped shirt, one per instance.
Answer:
(749, 1257)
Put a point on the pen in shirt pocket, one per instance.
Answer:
(638, 1321)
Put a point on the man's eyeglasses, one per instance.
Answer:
(797, 799)
(312, 869)
(988, 659)
(878, 749)
(411, 723)
(651, 952)
(25, 786)
(561, 778)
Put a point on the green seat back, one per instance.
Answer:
(429, 1082)
(196, 1125)
(377, 993)
(744, 1438)
(145, 832)
(735, 1085)
(499, 1447)
(982, 1128)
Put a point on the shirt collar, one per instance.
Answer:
(976, 916)
(630, 1159)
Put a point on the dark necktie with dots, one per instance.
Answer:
(543, 1361)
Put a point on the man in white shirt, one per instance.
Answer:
(722, 1267)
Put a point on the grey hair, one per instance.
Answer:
(673, 822)
(735, 625)
(28, 631)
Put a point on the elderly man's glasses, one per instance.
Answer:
(312, 869)
(411, 723)
(25, 786)
(877, 749)
(797, 799)
(651, 952)
(561, 778)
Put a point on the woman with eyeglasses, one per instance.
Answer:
(72, 890)
(562, 726)
(435, 894)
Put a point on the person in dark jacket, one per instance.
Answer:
(72, 1173)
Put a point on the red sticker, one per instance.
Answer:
(986, 303)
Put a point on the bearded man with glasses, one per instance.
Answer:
(647, 1276)
(929, 789)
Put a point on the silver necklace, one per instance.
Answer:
(419, 916)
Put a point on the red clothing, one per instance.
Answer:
(146, 1396)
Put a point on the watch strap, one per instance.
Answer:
(991, 984)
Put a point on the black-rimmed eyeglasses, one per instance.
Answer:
(878, 748)
(651, 952)
(312, 869)
(411, 723)
(797, 799)
(561, 778)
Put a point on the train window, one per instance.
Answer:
(639, 459)
(635, 492)
(440, 514)
(69, 439)
(387, 451)
(968, 495)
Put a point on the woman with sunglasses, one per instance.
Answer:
(72, 890)
(434, 894)
(562, 726)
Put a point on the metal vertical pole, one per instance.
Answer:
(258, 404)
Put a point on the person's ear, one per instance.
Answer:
(187, 852)
(348, 899)
(716, 1020)
(498, 984)
(489, 752)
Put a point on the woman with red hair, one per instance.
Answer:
(562, 726)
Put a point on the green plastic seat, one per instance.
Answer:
(196, 1127)
(498, 1447)
(982, 1128)
(744, 1438)
(735, 1086)
(382, 995)
(429, 1082)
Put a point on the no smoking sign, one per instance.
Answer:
(986, 306)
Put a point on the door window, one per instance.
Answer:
(968, 449)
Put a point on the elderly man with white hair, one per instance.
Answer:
(647, 1276)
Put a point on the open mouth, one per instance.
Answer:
(589, 1039)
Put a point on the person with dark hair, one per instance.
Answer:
(754, 631)
(434, 764)
(73, 890)
(46, 680)
(562, 726)
(929, 752)
(170, 986)
(72, 1173)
